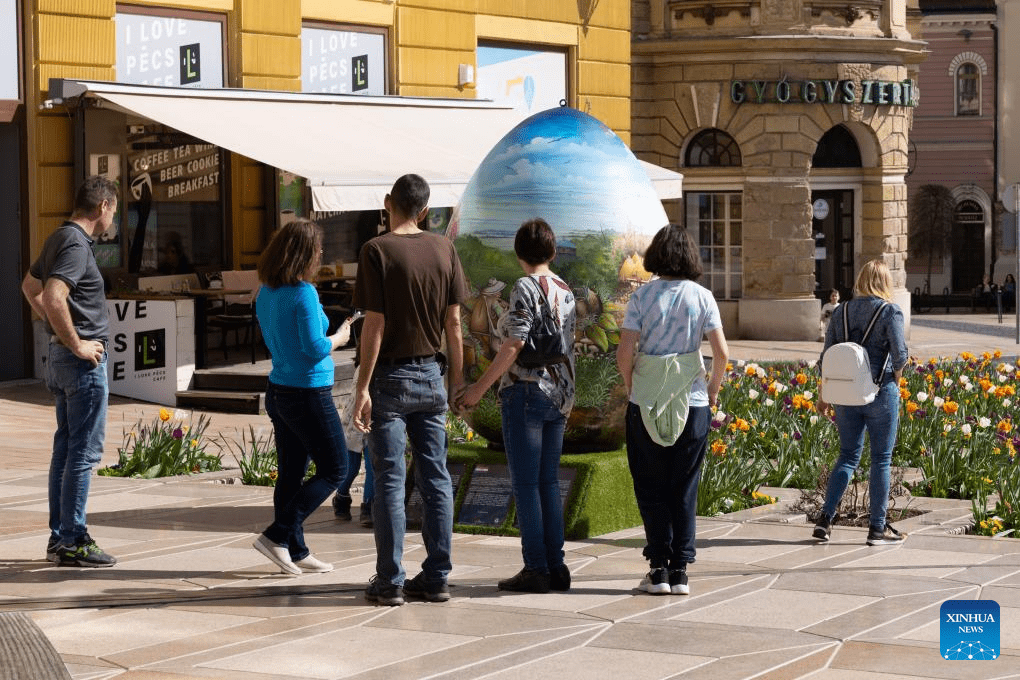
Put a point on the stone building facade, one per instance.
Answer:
(953, 145)
(790, 121)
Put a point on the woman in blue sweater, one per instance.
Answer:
(299, 399)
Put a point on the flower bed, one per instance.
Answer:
(957, 426)
(166, 447)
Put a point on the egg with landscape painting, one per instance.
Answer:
(574, 172)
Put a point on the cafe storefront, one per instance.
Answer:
(168, 146)
(222, 119)
(792, 132)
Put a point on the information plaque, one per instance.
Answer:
(567, 475)
(487, 501)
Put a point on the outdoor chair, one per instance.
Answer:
(237, 312)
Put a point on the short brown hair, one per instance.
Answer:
(874, 279)
(673, 252)
(535, 242)
(410, 195)
(91, 194)
(291, 251)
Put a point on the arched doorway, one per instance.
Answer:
(832, 215)
(968, 245)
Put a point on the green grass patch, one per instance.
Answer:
(601, 499)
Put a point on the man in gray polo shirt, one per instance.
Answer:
(65, 287)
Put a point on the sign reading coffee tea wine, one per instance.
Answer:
(189, 172)
(169, 50)
(341, 61)
(574, 172)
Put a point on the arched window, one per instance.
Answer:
(715, 221)
(712, 148)
(968, 90)
(837, 149)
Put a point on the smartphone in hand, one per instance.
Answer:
(354, 317)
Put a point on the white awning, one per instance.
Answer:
(350, 148)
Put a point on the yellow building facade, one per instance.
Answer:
(429, 48)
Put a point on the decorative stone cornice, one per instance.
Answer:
(850, 12)
(799, 13)
(710, 9)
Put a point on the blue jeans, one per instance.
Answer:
(880, 418)
(533, 435)
(409, 400)
(353, 468)
(81, 392)
(666, 485)
(307, 428)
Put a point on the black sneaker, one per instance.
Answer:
(656, 582)
(822, 529)
(366, 515)
(84, 553)
(559, 578)
(342, 507)
(421, 589)
(527, 580)
(51, 550)
(885, 536)
(678, 582)
(383, 593)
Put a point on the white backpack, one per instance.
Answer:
(846, 370)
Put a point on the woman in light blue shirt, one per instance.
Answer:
(669, 411)
(299, 399)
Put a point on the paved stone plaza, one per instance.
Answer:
(190, 598)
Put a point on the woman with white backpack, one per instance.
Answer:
(871, 319)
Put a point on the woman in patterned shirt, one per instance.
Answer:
(536, 401)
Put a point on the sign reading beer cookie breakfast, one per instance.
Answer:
(189, 172)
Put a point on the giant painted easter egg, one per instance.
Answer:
(575, 173)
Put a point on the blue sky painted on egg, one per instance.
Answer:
(568, 168)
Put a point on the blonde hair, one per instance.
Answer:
(875, 280)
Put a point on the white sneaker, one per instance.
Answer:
(277, 554)
(313, 565)
(656, 582)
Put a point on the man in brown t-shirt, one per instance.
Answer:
(410, 285)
